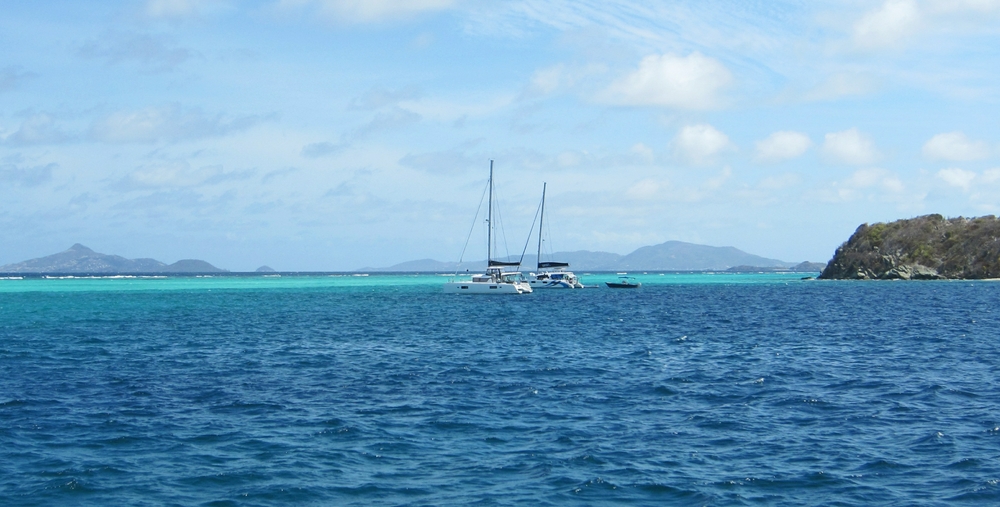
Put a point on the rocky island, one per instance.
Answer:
(929, 247)
(79, 259)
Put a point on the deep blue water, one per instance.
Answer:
(782, 392)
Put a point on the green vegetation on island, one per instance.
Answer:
(929, 247)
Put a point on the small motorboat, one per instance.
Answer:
(624, 282)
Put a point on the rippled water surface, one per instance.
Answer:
(382, 390)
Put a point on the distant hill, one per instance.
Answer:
(669, 256)
(927, 247)
(80, 259)
(677, 255)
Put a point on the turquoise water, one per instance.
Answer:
(70, 283)
(696, 389)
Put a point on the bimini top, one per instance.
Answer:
(543, 265)
(502, 263)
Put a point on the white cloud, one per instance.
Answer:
(457, 108)
(955, 146)
(39, 128)
(569, 159)
(692, 82)
(549, 79)
(155, 52)
(643, 151)
(561, 76)
(963, 6)
(862, 182)
(314, 150)
(849, 147)
(718, 181)
(957, 177)
(168, 123)
(700, 144)
(896, 22)
(11, 174)
(369, 11)
(11, 77)
(991, 175)
(178, 174)
(887, 26)
(783, 145)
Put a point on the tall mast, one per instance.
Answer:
(541, 218)
(489, 221)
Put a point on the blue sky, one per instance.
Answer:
(338, 134)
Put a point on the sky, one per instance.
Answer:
(322, 135)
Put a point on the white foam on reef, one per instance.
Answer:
(360, 274)
(11, 278)
(97, 277)
(272, 276)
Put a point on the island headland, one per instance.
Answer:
(928, 247)
(79, 259)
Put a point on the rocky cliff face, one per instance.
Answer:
(923, 248)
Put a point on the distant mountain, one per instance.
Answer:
(669, 256)
(80, 259)
(265, 269)
(423, 265)
(677, 255)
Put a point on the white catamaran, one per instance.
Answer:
(551, 275)
(496, 280)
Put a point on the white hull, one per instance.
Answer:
(554, 284)
(495, 280)
(487, 288)
(554, 280)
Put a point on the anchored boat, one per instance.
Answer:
(496, 280)
(624, 282)
(551, 275)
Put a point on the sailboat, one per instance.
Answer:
(551, 275)
(496, 280)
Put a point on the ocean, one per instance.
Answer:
(695, 389)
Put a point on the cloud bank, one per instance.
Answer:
(954, 146)
(781, 146)
(169, 123)
(367, 11)
(12, 76)
(700, 144)
(849, 147)
(11, 174)
(693, 82)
